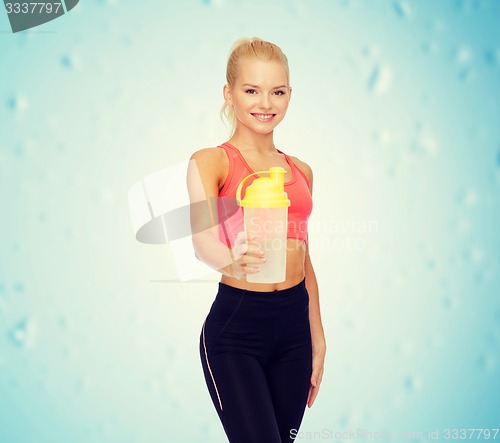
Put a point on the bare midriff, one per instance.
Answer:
(295, 273)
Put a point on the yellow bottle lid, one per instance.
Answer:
(265, 192)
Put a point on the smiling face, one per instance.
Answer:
(260, 96)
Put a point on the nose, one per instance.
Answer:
(265, 101)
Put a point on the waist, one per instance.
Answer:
(278, 295)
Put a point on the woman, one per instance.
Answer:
(262, 345)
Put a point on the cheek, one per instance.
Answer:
(243, 103)
(284, 104)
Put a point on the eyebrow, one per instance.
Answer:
(257, 87)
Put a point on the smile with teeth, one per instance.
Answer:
(264, 117)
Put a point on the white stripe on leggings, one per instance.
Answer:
(208, 364)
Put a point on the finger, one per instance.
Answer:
(240, 249)
(252, 260)
(312, 396)
(250, 269)
(315, 381)
(254, 249)
(317, 375)
(241, 237)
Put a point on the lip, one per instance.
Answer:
(263, 121)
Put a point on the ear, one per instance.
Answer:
(290, 92)
(226, 91)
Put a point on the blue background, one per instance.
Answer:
(395, 106)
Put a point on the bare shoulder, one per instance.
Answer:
(212, 161)
(304, 167)
(208, 155)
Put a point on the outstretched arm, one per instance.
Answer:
(203, 178)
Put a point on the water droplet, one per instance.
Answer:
(380, 80)
(170, 356)
(466, 74)
(462, 55)
(18, 150)
(343, 421)
(492, 56)
(467, 198)
(465, 6)
(18, 103)
(431, 264)
(439, 25)
(402, 8)
(24, 333)
(438, 341)
(405, 349)
(474, 255)
(425, 143)
(492, 337)
(18, 287)
(62, 322)
(383, 136)
(3, 307)
(152, 385)
(497, 316)
(66, 353)
(82, 384)
(67, 61)
(462, 226)
(413, 383)
(477, 255)
(450, 302)
(359, 324)
(371, 51)
(107, 2)
(430, 47)
(212, 2)
(487, 362)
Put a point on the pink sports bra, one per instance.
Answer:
(231, 215)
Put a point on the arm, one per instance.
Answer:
(317, 333)
(204, 175)
(202, 181)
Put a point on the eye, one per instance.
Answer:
(280, 92)
(249, 90)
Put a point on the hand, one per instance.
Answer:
(248, 256)
(318, 362)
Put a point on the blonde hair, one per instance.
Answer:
(247, 48)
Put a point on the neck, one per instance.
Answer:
(251, 141)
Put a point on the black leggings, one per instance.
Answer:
(256, 353)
